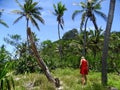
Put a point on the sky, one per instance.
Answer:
(48, 31)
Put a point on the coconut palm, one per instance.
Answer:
(89, 9)
(1, 21)
(59, 10)
(30, 11)
(106, 41)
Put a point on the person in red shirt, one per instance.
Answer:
(84, 69)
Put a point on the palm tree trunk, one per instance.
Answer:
(94, 22)
(41, 62)
(26, 29)
(106, 41)
(85, 39)
(60, 46)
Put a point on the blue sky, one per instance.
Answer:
(49, 30)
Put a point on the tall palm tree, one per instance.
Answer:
(106, 41)
(30, 11)
(89, 9)
(1, 21)
(59, 10)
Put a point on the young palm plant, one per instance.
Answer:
(6, 80)
(95, 41)
(59, 10)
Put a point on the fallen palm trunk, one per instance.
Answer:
(40, 60)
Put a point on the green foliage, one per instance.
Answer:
(6, 80)
(72, 51)
(4, 55)
(24, 61)
(72, 34)
(28, 64)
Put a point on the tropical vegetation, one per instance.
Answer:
(28, 65)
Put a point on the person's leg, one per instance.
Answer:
(83, 79)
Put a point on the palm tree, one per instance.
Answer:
(30, 11)
(59, 10)
(88, 11)
(40, 60)
(1, 21)
(106, 41)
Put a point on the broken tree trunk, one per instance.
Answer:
(40, 60)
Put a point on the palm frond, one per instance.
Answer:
(99, 1)
(97, 6)
(17, 12)
(101, 14)
(55, 9)
(83, 20)
(19, 4)
(61, 25)
(39, 18)
(76, 13)
(3, 23)
(8, 84)
(17, 19)
(83, 5)
(54, 13)
(36, 9)
(34, 22)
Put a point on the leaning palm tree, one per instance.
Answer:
(59, 10)
(40, 60)
(31, 12)
(89, 9)
(1, 21)
(106, 41)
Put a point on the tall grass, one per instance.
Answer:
(70, 79)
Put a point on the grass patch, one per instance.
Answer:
(70, 79)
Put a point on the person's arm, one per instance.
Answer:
(80, 63)
(88, 65)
